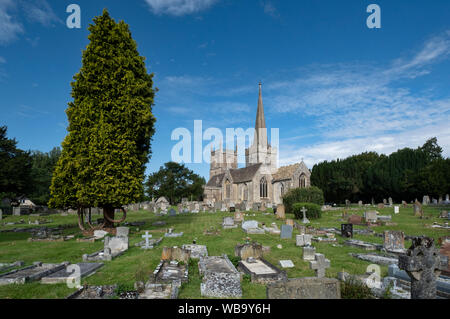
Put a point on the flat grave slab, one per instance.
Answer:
(30, 273)
(220, 278)
(261, 271)
(62, 275)
(286, 264)
(305, 288)
(361, 244)
(168, 271)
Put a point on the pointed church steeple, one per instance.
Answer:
(260, 123)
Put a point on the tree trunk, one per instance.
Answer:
(108, 211)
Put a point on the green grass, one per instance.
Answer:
(136, 261)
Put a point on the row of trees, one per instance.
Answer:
(404, 175)
(25, 173)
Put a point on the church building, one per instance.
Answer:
(260, 181)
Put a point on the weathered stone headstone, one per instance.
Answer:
(245, 251)
(423, 264)
(122, 231)
(371, 216)
(396, 209)
(228, 222)
(305, 288)
(197, 251)
(394, 241)
(251, 227)
(319, 265)
(286, 231)
(172, 212)
(380, 206)
(347, 230)
(390, 201)
(303, 240)
(426, 200)
(360, 203)
(355, 220)
(418, 211)
(281, 213)
(309, 253)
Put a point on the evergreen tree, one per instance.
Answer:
(110, 124)
(175, 181)
(15, 168)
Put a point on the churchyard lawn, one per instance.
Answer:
(123, 270)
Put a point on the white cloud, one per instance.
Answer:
(40, 11)
(270, 9)
(9, 27)
(361, 108)
(179, 7)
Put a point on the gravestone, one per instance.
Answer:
(238, 216)
(445, 251)
(261, 271)
(286, 231)
(65, 274)
(426, 200)
(197, 251)
(255, 206)
(289, 222)
(146, 238)
(228, 222)
(355, 220)
(304, 220)
(394, 241)
(396, 209)
(309, 253)
(390, 201)
(360, 203)
(319, 265)
(305, 288)
(286, 263)
(371, 216)
(175, 253)
(251, 227)
(347, 230)
(384, 201)
(122, 231)
(171, 234)
(172, 212)
(30, 273)
(380, 206)
(417, 207)
(220, 278)
(245, 251)
(303, 240)
(423, 264)
(281, 212)
(347, 202)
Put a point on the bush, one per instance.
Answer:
(311, 194)
(355, 289)
(313, 210)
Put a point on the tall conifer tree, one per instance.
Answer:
(110, 124)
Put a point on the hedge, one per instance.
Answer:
(314, 211)
(311, 194)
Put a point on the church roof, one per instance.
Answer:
(215, 181)
(285, 172)
(245, 174)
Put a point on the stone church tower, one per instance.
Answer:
(260, 181)
(261, 151)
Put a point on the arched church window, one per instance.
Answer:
(227, 189)
(263, 187)
(302, 181)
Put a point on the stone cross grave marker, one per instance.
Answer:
(305, 220)
(319, 265)
(347, 230)
(286, 231)
(146, 237)
(423, 263)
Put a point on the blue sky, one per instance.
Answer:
(331, 85)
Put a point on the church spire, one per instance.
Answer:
(260, 123)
